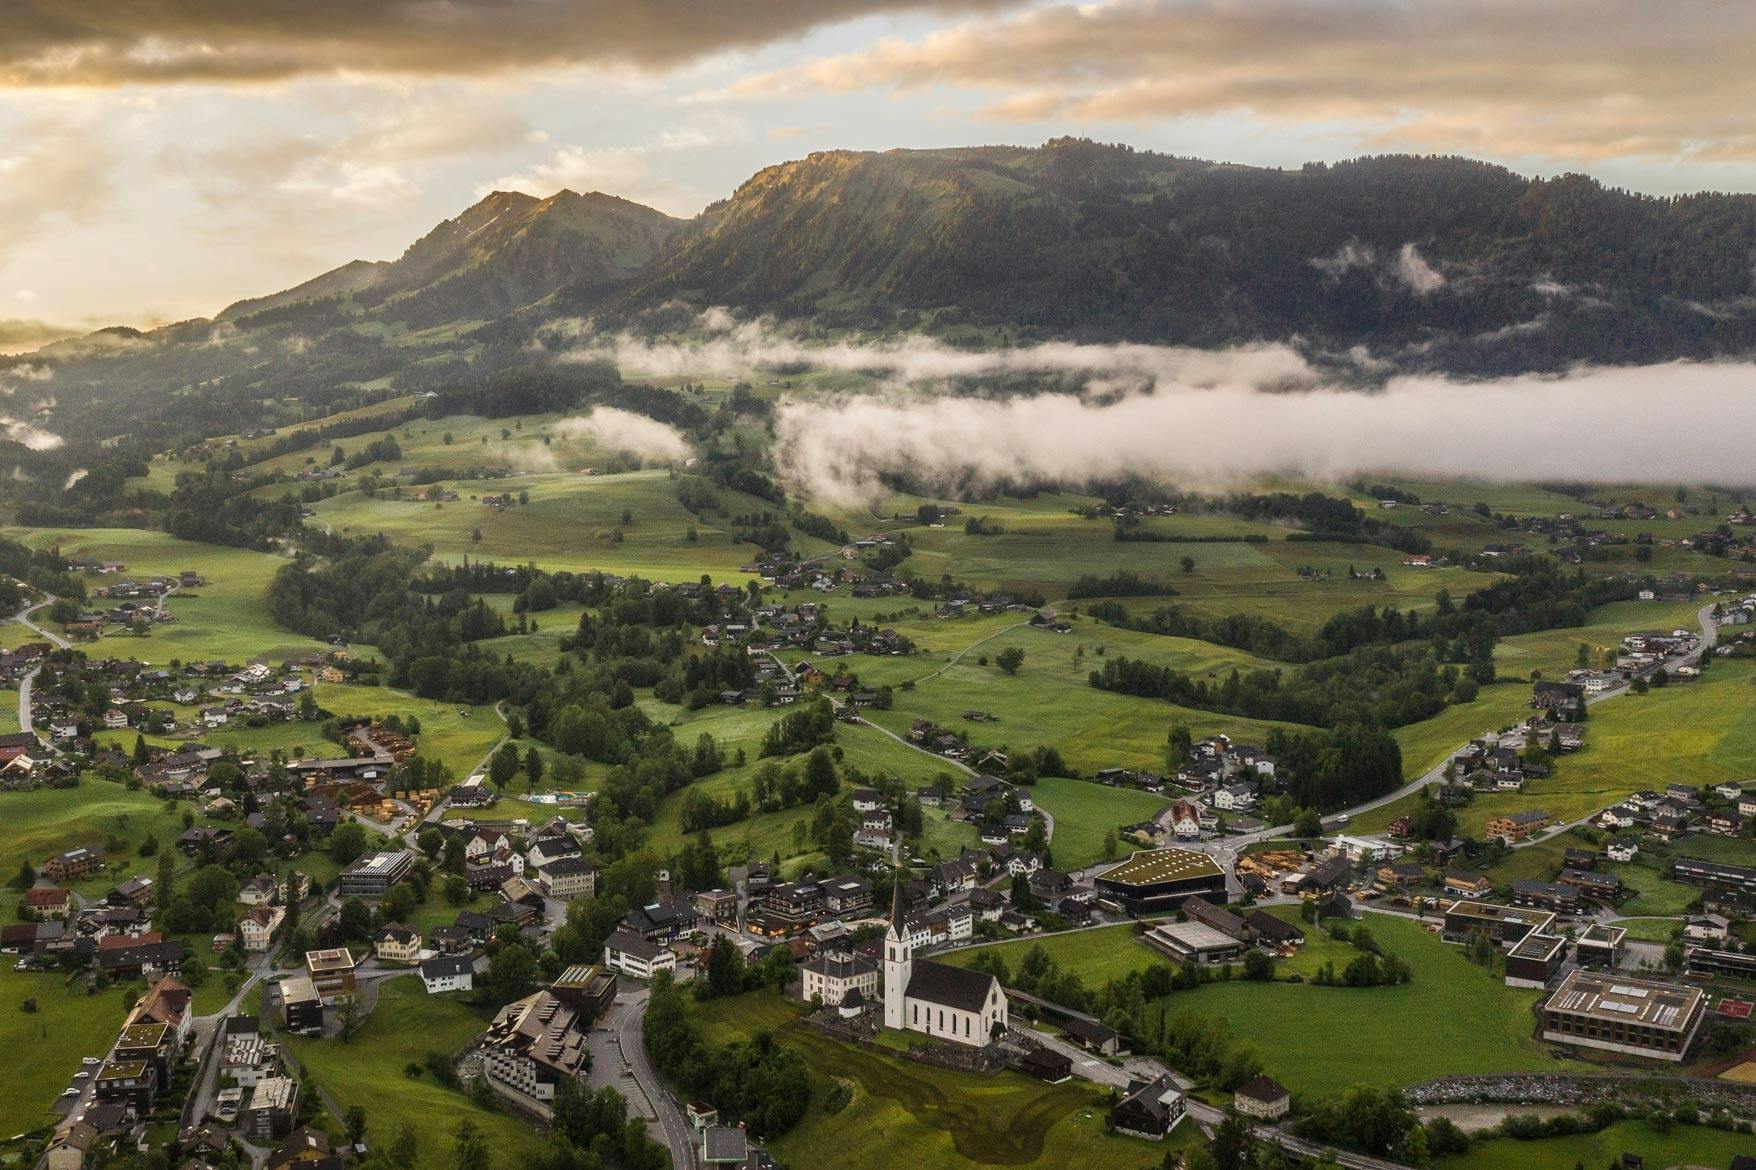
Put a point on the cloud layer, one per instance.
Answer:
(1576, 79)
(113, 42)
(1596, 425)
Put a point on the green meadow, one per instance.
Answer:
(929, 1116)
(370, 1070)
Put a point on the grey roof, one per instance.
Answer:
(952, 987)
(447, 967)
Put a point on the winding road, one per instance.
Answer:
(29, 680)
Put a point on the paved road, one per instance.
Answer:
(29, 680)
(1230, 847)
(49, 636)
(673, 1128)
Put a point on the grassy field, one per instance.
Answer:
(1695, 733)
(1427, 744)
(1555, 652)
(914, 1115)
(1690, 1145)
(367, 1071)
(226, 619)
(1043, 705)
(1320, 1040)
(44, 1047)
(1096, 956)
(569, 524)
(47, 821)
(1084, 812)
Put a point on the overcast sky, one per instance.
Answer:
(161, 158)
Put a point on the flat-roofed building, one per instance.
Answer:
(1194, 940)
(1153, 880)
(1636, 1017)
(332, 973)
(1599, 945)
(1505, 926)
(1534, 960)
(373, 875)
(301, 1007)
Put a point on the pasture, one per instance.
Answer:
(1466, 1018)
(369, 1070)
(929, 1116)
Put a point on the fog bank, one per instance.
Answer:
(1674, 422)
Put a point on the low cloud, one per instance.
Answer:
(74, 477)
(627, 432)
(1573, 79)
(25, 434)
(1594, 425)
(21, 335)
(759, 347)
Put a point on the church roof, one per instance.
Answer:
(946, 986)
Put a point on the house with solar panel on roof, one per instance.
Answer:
(938, 1000)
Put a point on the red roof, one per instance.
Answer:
(50, 896)
(1737, 1009)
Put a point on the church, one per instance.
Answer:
(941, 1001)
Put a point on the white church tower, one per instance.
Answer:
(898, 958)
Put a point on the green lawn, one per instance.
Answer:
(908, 1114)
(43, 1048)
(1085, 811)
(1692, 1145)
(1452, 1017)
(404, 1027)
(1555, 652)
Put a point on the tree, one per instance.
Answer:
(26, 877)
(1010, 659)
(141, 755)
(1308, 823)
(533, 766)
(347, 842)
(511, 975)
(1258, 966)
(1188, 564)
(470, 1148)
(355, 1122)
(504, 766)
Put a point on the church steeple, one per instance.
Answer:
(899, 959)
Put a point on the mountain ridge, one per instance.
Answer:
(1384, 264)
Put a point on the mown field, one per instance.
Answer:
(1452, 1017)
(44, 1047)
(908, 1114)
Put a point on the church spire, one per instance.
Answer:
(896, 888)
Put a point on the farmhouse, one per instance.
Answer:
(1635, 1017)
(1151, 1109)
(1155, 880)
